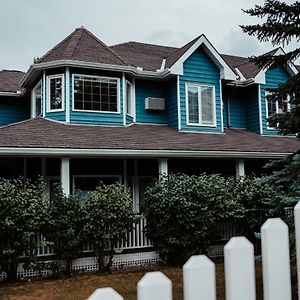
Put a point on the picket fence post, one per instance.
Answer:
(239, 269)
(199, 278)
(154, 286)
(105, 294)
(276, 260)
(297, 237)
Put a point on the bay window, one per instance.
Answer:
(129, 106)
(201, 105)
(37, 92)
(94, 93)
(55, 88)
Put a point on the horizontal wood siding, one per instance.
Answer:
(144, 89)
(200, 69)
(13, 110)
(95, 118)
(252, 108)
(274, 77)
(225, 111)
(237, 109)
(129, 120)
(172, 103)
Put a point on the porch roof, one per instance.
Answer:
(49, 136)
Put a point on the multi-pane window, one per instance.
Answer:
(201, 105)
(55, 93)
(129, 105)
(95, 93)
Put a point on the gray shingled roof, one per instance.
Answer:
(10, 81)
(82, 45)
(43, 133)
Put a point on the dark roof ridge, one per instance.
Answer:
(144, 43)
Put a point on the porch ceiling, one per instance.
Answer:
(53, 137)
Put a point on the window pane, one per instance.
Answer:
(271, 107)
(56, 93)
(95, 93)
(207, 105)
(193, 105)
(128, 99)
(38, 100)
(283, 105)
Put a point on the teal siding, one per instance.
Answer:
(225, 111)
(200, 69)
(172, 103)
(95, 118)
(237, 109)
(129, 120)
(252, 108)
(144, 89)
(13, 110)
(274, 77)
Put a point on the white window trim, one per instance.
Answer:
(98, 111)
(200, 124)
(49, 110)
(94, 176)
(131, 114)
(33, 100)
(277, 109)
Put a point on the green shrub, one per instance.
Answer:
(23, 213)
(182, 211)
(108, 216)
(65, 232)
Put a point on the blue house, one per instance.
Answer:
(130, 112)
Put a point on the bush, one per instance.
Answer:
(182, 211)
(65, 232)
(23, 213)
(108, 216)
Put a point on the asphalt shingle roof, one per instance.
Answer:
(10, 81)
(43, 133)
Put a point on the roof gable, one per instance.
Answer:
(176, 61)
(82, 45)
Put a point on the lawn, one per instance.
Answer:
(81, 286)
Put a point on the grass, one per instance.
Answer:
(81, 286)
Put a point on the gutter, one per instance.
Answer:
(138, 72)
(12, 94)
(65, 152)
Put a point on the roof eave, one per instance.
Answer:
(138, 153)
(92, 65)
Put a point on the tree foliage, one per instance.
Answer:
(109, 216)
(23, 213)
(65, 232)
(182, 211)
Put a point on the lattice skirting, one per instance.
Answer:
(89, 264)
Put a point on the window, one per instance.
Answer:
(200, 105)
(129, 106)
(277, 106)
(92, 93)
(37, 99)
(55, 88)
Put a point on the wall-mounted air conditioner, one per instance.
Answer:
(155, 104)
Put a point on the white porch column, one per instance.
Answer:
(162, 167)
(65, 175)
(239, 168)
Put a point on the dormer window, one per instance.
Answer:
(95, 93)
(55, 88)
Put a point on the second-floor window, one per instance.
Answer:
(129, 106)
(55, 87)
(201, 105)
(94, 93)
(37, 99)
(277, 106)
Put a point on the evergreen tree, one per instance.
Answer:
(280, 26)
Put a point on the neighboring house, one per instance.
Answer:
(132, 111)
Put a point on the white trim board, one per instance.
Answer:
(58, 152)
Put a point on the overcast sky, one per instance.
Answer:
(29, 28)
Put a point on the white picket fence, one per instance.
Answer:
(199, 279)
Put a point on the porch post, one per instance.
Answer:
(239, 168)
(65, 175)
(162, 167)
